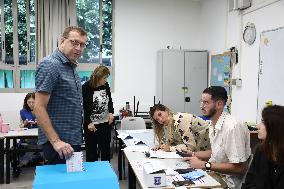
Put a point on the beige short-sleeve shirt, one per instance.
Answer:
(230, 143)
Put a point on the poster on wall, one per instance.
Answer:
(221, 72)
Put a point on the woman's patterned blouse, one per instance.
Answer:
(187, 131)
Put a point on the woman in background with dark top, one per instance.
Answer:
(98, 115)
(267, 168)
(28, 119)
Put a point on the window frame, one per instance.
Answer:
(93, 66)
(17, 68)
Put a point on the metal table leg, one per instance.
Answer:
(2, 154)
(120, 160)
(8, 161)
(131, 178)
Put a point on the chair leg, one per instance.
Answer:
(15, 163)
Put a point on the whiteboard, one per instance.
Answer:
(271, 69)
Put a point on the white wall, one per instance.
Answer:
(142, 27)
(265, 14)
(10, 105)
(213, 25)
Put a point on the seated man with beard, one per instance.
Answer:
(230, 141)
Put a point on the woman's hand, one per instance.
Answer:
(92, 127)
(110, 118)
(156, 148)
(31, 122)
(24, 123)
(165, 147)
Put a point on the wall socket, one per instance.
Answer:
(237, 82)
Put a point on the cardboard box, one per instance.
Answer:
(97, 175)
(154, 179)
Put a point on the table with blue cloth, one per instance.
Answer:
(96, 175)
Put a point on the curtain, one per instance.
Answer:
(53, 16)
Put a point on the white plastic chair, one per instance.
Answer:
(133, 123)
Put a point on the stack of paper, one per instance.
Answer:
(164, 155)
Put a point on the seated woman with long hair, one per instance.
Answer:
(179, 131)
(28, 120)
(267, 168)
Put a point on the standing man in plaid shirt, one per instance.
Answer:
(58, 98)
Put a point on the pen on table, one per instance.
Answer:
(201, 180)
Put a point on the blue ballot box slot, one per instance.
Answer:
(96, 175)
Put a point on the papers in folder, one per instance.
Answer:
(139, 148)
(134, 141)
(137, 141)
(124, 136)
(137, 131)
(164, 155)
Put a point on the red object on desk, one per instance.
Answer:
(124, 113)
(4, 127)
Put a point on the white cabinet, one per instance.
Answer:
(182, 75)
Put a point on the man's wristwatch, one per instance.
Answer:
(208, 166)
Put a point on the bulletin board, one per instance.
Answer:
(221, 71)
(271, 69)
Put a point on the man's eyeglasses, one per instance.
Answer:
(76, 43)
(204, 103)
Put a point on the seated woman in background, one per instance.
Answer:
(180, 131)
(28, 120)
(267, 168)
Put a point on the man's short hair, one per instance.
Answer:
(80, 30)
(217, 93)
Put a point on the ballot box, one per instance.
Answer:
(96, 175)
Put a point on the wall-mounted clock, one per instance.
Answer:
(249, 34)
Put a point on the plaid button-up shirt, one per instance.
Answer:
(58, 77)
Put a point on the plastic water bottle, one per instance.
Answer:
(127, 107)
